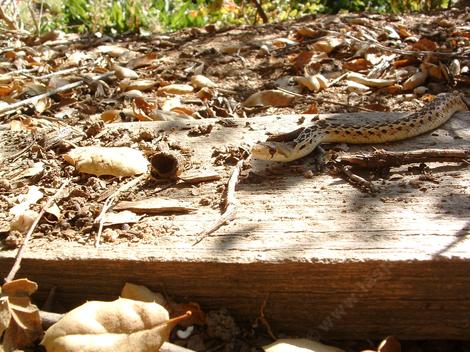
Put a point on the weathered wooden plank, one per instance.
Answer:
(396, 262)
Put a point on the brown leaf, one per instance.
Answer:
(118, 326)
(425, 44)
(22, 317)
(357, 65)
(269, 98)
(115, 161)
(142, 61)
(415, 80)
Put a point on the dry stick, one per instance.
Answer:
(383, 158)
(356, 179)
(59, 73)
(22, 71)
(230, 208)
(19, 255)
(61, 89)
(109, 202)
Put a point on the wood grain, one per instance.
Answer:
(335, 262)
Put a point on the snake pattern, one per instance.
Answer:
(428, 118)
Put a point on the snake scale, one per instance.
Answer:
(428, 118)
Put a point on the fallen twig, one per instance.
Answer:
(61, 89)
(230, 207)
(109, 203)
(383, 158)
(24, 245)
(354, 179)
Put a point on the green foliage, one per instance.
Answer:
(163, 15)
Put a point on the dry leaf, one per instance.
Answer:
(299, 345)
(113, 50)
(118, 326)
(124, 72)
(155, 205)
(142, 61)
(26, 200)
(200, 81)
(176, 89)
(269, 98)
(327, 44)
(18, 317)
(123, 217)
(117, 161)
(415, 80)
(357, 64)
(307, 32)
(139, 84)
(356, 87)
(171, 103)
(425, 44)
(370, 82)
(141, 293)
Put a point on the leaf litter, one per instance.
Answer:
(62, 99)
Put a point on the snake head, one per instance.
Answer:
(275, 151)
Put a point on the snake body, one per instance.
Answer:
(428, 118)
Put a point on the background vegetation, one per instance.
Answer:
(166, 15)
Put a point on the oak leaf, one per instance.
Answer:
(122, 325)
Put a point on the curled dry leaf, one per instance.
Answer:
(24, 217)
(200, 81)
(124, 72)
(155, 205)
(299, 345)
(141, 293)
(314, 83)
(19, 319)
(369, 82)
(139, 84)
(269, 98)
(176, 89)
(121, 325)
(415, 80)
(117, 161)
(356, 87)
(327, 44)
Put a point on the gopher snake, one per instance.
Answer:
(430, 117)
